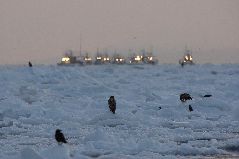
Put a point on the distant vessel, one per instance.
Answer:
(106, 59)
(87, 59)
(117, 59)
(101, 58)
(148, 58)
(70, 59)
(136, 59)
(143, 58)
(187, 59)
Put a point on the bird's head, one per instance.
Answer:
(58, 130)
(112, 97)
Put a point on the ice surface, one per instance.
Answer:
(28, 153)
(34, 102)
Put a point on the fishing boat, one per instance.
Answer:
(187, 58)
(70, 59)
(118, 59)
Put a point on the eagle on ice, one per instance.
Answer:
(112, 104)
(59, 136)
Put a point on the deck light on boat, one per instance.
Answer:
(137, 58)
(65, 59)
(106, 59)
(98, 58)
(88, 59)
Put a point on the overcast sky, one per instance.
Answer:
(41, 30)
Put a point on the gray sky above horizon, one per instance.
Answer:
(42, 30)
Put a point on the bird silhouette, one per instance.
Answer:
(29, 64)
(112, 104)
(59, 136)
(185, 96)
(207, 95)
(190, 108)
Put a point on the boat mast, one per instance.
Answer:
(80, 46)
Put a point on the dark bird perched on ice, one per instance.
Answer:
(112, 104)
(190, 108)
(185, 96)
(59, 136)
(29, 64)
(207, 95)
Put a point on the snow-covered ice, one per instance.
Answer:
(36, 101)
